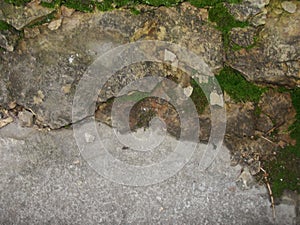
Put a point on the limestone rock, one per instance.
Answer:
(26, 118)
(253, 10)
(8, 39)
(5, 118)
(275, 59)
(243, 37)
(66, 12)
(55, 24)
(52, 63)
(4, 43)
(19, 17)
(289, 6)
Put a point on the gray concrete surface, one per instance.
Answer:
(44, 180)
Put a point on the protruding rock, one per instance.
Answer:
(40, 72)
(67, 12)
(4, 43)
(248, 9)
(289, 6)
(275, 57)
(20, 16)
(55, 24)
(216, 99)
(188, 91)
(26, 118)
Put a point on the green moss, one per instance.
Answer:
(4, 25)
(238, 88)
(159, 2)
(237, 47)
(53, 4)
(295, 128)
(257, 111)
(135, 11)
(105, 5)
(203, 3)
(18, 2)
(225, 21)
(80, 5)
(198, 97)
(284, 172)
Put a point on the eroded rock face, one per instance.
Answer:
(43, 71)
(250, 10)
(240, 119)
(19, 17)
(276, 57)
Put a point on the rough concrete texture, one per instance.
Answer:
(44, 180)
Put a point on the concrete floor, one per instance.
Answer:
(45, 180)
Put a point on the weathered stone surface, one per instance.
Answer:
(31, 32)
(243, 37)
(5, 118)
(276, 57)
(250, 10)
(264, 123)
(8, 40)
(66, 12)
(19, 17)
(289, 6)
(278, 106)
(4, 43)
(240, 119)
(43, 73)
(26, 118)
(55, 24)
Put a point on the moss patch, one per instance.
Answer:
(198, 97)
(105, 5)
(295, 128)
(225, 21)
(90, 5)
(238, 88)
(18, 2)
(203, 3)
(284, 171)
(4, 25)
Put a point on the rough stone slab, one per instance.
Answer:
(43, 179)
(20, 16)
(275, 59)
(251, 10)
(43, 71)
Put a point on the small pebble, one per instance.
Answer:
(26, 118)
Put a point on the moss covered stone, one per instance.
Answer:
(238, 88)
